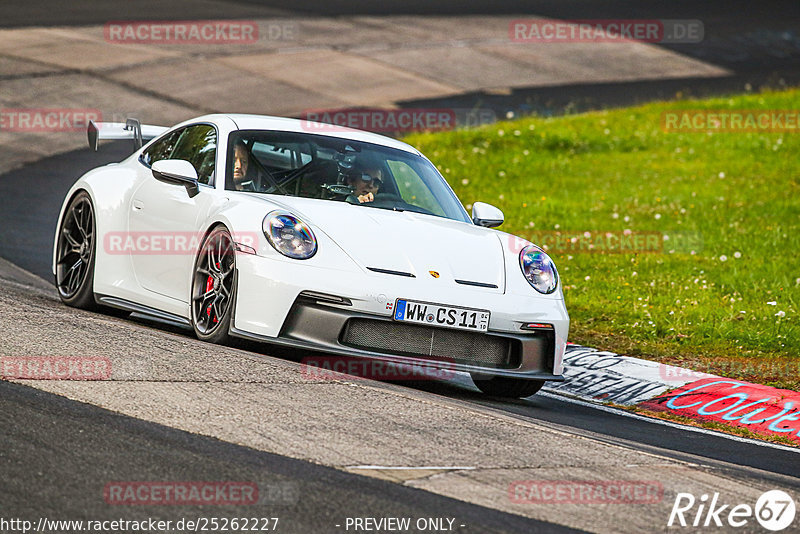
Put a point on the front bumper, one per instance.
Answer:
(270, 309)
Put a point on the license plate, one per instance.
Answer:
(430, 314)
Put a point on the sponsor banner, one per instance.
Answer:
(55, 368)
(332, 367)
(605, 31)
(47, 119)
(731, 121)
(604, 376)
(194, 32)
(600, 375)
(585, 492)
(761, 409)
(181, 493)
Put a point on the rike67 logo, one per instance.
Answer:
(774, 510)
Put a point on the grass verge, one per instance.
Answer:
(720, 291)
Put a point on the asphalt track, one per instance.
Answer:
(32, 198)
(42, 478)
(759, 44)
(56, 450)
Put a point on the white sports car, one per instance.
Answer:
(313, 236)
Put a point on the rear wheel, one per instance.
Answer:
(501, 386)
(75, 254)
(213, 287)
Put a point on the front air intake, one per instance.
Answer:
(437, 344)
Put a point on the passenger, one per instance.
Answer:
(241, 164)
(365, 183)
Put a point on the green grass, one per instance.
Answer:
(618, 170)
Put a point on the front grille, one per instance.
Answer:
(440, 344)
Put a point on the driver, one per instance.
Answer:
(365, 183)
(241, 164)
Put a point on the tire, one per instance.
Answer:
(509, 388)
(213, 287)
(76, 249)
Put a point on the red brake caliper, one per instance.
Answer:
(209, 287)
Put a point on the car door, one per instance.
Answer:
(163, 220)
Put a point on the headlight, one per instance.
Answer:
(538, 269)
(289, 235)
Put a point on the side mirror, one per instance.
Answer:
(486, 215)
(177, 172)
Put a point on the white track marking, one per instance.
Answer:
(450, 467)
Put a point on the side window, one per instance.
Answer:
(198, 146)
(281, 157)
(161, 149)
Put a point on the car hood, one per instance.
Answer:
(407, 242)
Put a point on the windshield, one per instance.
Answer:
(339, 170)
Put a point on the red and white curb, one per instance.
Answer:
(600, 376)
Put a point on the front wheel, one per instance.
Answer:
(75, 254)
(213, 287)
(510, 388)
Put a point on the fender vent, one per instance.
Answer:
(476, 284)
(389, 271)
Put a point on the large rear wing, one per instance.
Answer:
(131, 129)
